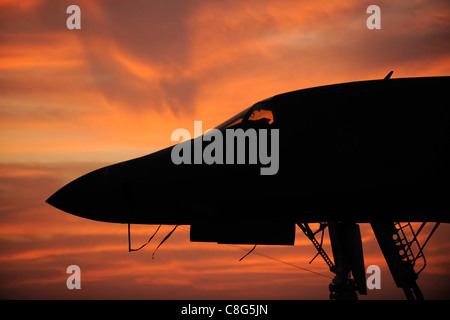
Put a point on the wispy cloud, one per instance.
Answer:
(72, 101)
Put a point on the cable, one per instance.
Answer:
(167, 237)
(129, 240)
(281, 261)
(248, 253)
(269, 257)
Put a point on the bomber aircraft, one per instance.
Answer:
(339, 155)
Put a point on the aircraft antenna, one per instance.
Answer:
(388, 75)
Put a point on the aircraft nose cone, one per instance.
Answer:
(140, 190)
(91, 196)
(60, 200)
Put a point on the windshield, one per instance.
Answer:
(261, 115)
(234, 120)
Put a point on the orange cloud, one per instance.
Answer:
(73, 101)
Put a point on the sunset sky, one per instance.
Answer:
(72, 101)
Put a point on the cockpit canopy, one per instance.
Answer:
(259, 113)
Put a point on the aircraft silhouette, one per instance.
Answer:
(361, 152)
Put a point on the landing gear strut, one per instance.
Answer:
(348, 258)
(401, 255)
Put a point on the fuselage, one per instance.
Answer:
(360, 151)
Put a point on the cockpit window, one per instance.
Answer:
(234, 120)
(257, 115)
(266, 115)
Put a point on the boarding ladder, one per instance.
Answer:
(402, 254)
